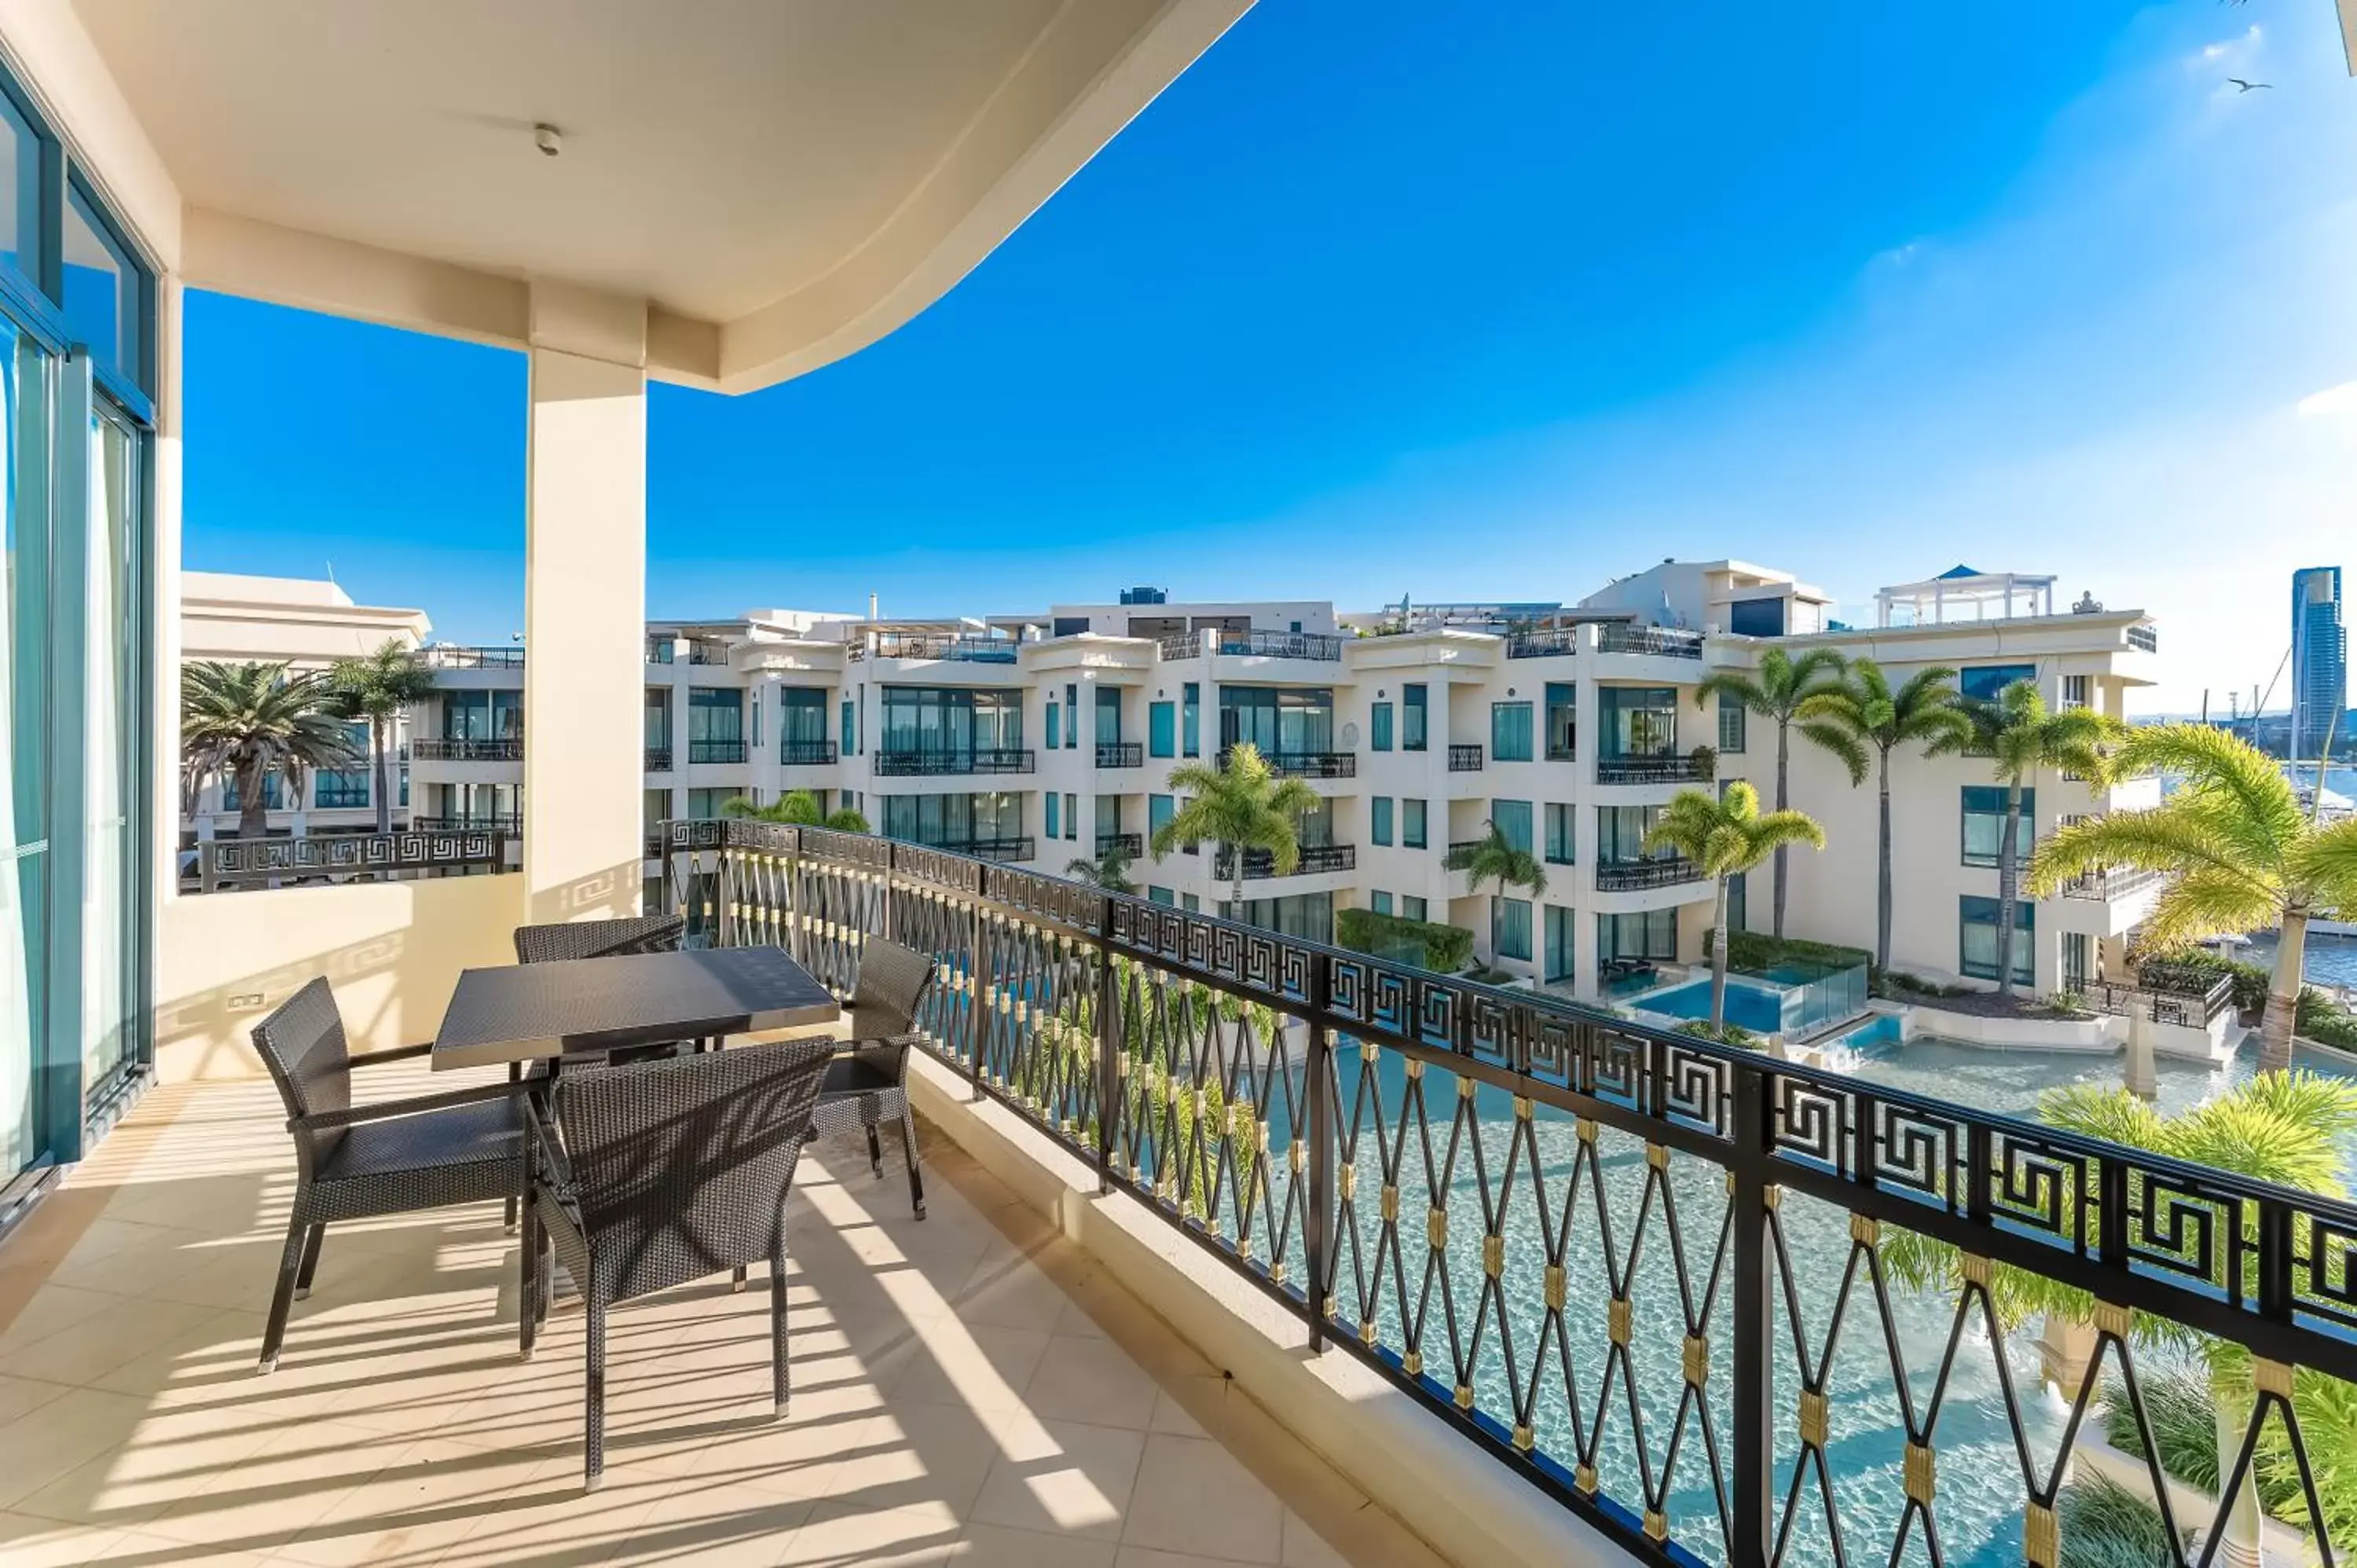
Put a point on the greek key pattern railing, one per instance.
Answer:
(434, 748)
(1727, 1308)
(233, 863)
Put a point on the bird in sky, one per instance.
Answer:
(2249, 86)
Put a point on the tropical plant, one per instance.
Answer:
(1237, 805)
(1863, 720)
(380, 687)
(1725, 836)
(1428, 944)
(1109, 870)
(2241, 853)
(796, 808)
(245, 721)
(2024, 735)
(1494, 857)
(2278, 1127)
(2105, 1525)
(1776, 693)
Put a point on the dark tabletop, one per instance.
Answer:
(592, 1006)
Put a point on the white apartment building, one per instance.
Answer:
(1042, 739)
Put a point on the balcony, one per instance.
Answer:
(939, 764)
(805, 753)
(1465, 759)
(701, 753)
(440, 750)
(937, 645)
(707, 651)
(1120, 753)
(2106, 884)
(508, 822)
(1658, 641)
(1305, 764)
(2143, 638)
(1315, 860)
(1280, 645)
(658, 759)
(1633, 875)
(1664, 768)
(471, 658)
(1017, 848)
(1549, 642)
(1128, 845)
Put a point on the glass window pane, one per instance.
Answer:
(1513, 820)
(23, 751)
(101, 292)
(20, 193)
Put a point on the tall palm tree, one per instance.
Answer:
(2025, 736)
(1776, 693)
(379, 687)
(1494, 857)
(1109, 870)
(1725, 835)
(243, 721)
(1862, 717)
(2283, 1128)
(1239, 806)
(796, 808)
(2241, 853)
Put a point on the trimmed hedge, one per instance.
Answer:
(1754, 951)
(2318, 1018)
(1428, 944)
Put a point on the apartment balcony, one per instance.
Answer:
(936, 646)
(471, 658)
(1120, 753)
(1280, 645)
(1023, 847)
(1304, 764)
(805, 753)
(1129, 846)
(433, 750)
(2106, 884)
(1465, 758)
(1660, 642)
(658, 759)
(941, 763)
(704, 753)
(483, 822)
(1665, 768)
(1549, 642)
(2145, 638)
(1635, 876)
(1259, 863)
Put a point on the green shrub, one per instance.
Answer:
(2184, 1422)
(1755, 952)
(1445, 949)
(2322, 1018)
(2105, 1525)
(1726, 1034)
(2251, 980)
(2185, 1428)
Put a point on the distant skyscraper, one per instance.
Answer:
(2319, 662)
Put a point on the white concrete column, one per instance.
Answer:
(585, 605)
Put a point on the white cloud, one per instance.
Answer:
(2340, 400)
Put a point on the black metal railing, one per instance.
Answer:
(1179, 645)
(933, 764)
(424, 849)
(1545, 642)
(658, 759)
(1632, 1299)
(1021, 847)
(707, 651)
(2146, 637)
(1130, 845)
(1120, 753)
(938, 645)
(507, 822)
(1280, 645)
(1667, 767)
(1625, 875)
(805, 753)
(471, 658)
(2106, 883)
(712, 751)
(1613, 637)
(2189, 997)
(436, 749)
(1260, 864)
(1464, 846)
(1304, 764)
(1464, 758)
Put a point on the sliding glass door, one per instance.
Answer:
(24, 747)
(112, 729)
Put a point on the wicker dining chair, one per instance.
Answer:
(667, 1172)
(395, 1156)
(868, 1084)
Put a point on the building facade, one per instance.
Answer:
(2319, 662)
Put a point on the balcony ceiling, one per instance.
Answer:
(789, 178)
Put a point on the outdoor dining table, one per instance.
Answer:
(583, 1009)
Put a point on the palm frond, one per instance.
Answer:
(2326, 864)
(1845, 745)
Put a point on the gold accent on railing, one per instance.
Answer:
(1616, 1320)
(1524, 1438)
(2114, 1319)
(1493, 1255)
(1346, 1180)
(1921, 1473)
(1243, 1247)
(1584, 1477)
(1415, 1070)
(1369, 1051)
(1586, 1128)
(2272, 1377)
(1464, 1396)
(1366, 1331)
(1658, 1156)
(1387, 1204)
(1435, 1229)
(1697, 1360)
(1326, 1310)
(1555, 1287)
(1812, 1417)
(1657, 1525)
(1411, 1363)
(2041, 1538)
(1865, 1232)
(1524, 1106)
(1297, 1156)
(1276, 1272)
(1976, 1270)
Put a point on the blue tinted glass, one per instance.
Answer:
(20, 192)
(96, 286)
(1986, 681)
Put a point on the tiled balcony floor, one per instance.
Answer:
(966, 1390)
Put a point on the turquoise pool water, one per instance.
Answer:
(1756, 1007)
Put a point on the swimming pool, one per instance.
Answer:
(1758, 1008)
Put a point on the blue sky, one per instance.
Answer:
(1495, 301)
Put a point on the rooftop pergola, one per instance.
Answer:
(1963, 594)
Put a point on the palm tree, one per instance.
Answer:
(245, 720)
(1239, 806)
(1776, 693)
(2241, 854)
(1494, 857)
(2283, 1128)
(1724, 835)
(2024, 735)
(379, 687)
(796, 808)
(1109, 870)
(1863, 714)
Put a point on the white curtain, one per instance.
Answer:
(105, 911)
(20, 753)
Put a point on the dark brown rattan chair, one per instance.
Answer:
(393, 1157)
(668, 1171)
(867, 1085)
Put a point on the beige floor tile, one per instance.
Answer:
(415, 1509)
(62, 1435)
(1077, 1481)
(840, 1537)
(283, 1488)
(170, 1455)
(1143, 1557)
(1171, 1417)
(1192, 1496)
(992, 1546)
(1009, 1296)
(1305, 1548)
(1090, 1380)
(134, 1550)
(974, 1365)
(549, 1521)
(109, 1336)
(915, 1458)
(714, 1525)
(29, 1542)
(21, 1395)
